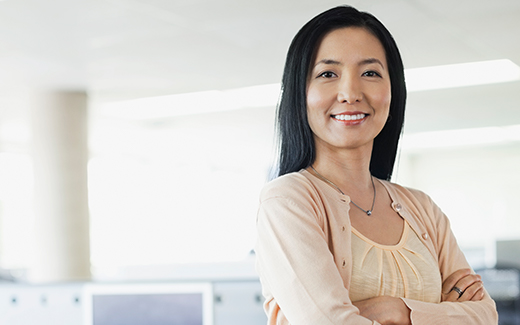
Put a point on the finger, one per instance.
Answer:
(463, 284)
(452, 296)
(470, 291)
(479, 295)
(455, 277)
(467, 281)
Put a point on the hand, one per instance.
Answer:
(470, 284)
(385, 310)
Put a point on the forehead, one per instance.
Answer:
(350, 43)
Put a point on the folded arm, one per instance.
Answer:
(475, 306)
(390, 310)
(297, 267)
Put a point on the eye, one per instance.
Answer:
(327, 75)
(371, 73)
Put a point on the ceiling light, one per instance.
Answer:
(193, 103)
(438, 77)
(462, 137)
(460, 75)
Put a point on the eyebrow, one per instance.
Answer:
(327, 61)
(362, 62)
(370, 61)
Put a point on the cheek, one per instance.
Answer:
(319, 101)
(313, 104)
(383, 98)
(313, 99)
(386, 100)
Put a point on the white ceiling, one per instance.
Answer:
(125, 49)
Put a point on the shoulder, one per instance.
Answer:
(408, 194)
(291, 185)
(415, 203)
(419, 206)
(291, 197)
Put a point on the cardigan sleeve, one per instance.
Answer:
(296, 266)
(451, 259)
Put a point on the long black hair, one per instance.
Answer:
(296, 141)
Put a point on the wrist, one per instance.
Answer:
(403, 314)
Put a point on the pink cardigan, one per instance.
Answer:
(304, 258)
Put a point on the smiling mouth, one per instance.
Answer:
(348, 117)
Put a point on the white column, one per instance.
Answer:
(60, 150)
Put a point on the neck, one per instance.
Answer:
(349, 170)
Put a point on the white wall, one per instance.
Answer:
(476, 186)
(186, 190)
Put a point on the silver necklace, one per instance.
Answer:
(368, 212)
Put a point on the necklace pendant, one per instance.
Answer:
(368, 212)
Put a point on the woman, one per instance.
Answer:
(337, 242)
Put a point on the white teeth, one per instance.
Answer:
(349, 117)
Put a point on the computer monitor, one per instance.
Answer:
(148, 303)
(508, 253)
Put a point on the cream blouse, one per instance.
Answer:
(406, 269)
(304, 255)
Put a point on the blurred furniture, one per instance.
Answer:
(6, 276)
(231, 302)
(503, 285)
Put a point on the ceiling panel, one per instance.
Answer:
(123, 49)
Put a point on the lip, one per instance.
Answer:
(354, 121)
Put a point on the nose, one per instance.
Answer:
(349, 91)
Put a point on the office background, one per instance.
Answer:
(137, 134)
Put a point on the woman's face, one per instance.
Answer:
(348, 90)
